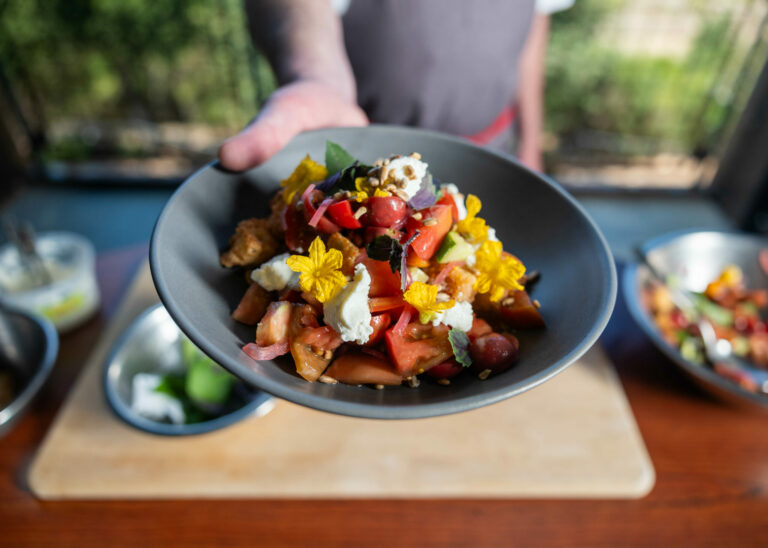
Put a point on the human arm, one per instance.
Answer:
(530, 96)
(304, 43)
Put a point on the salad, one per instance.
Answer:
(376, 274)
(198, 391)
(734, 312)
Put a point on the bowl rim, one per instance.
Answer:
(374, 411)
(18, 406)
(261, 404)
(705, 375)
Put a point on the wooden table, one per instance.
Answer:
(711, 462)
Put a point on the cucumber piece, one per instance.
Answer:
(453, 248)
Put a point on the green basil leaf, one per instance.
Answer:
(336, 158)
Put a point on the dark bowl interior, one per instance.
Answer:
(534, 217)
(696, 258)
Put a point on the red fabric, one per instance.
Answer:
(502, 123)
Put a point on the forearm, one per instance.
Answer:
(303, 40)
(531, 88)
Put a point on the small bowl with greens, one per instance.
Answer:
(157, 380)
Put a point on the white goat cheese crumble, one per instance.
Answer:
(348, 311)
(407, 172)
(458, 316)
(275, 275)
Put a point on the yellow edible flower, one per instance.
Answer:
(472, 226)
(498, 273)
(307, 172)
(423, 297)
(320, 272)
(365, 190)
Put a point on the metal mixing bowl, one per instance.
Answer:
(28, 348)
(151, 345)
(695, 258)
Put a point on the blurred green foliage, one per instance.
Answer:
(643, 104)
(187, 60)
(192, 61)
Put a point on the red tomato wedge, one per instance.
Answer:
(430, 237)
(383, 304)
(253, 305)
(342, 213)
(521, 314)
(380, 323)
(384, 282)
(311, 346)
(448, 200)
(360, 368)
(418, 347)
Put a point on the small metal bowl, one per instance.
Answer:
(28, 348)
(696, 258)
(151, 345)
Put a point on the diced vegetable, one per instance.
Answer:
(273, 327)
(341, 212)
(384, 282)
(380, 323)
(448, 200)
(521, 312)
(418, 347)
(383, 304)
(446, 370)
(207, 382)
(385, 211)
(493, 351)
(438, 221)
(253, 305)
(454, 248)
(310, 199)
(360, 368)
(312, 346)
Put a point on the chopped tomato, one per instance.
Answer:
(415, 260)
(446, 370)
(418, 347)
(273, 327)
(382, 304)
(385, 211)
(521, 313)
(360, 368)
(310, 199)
(448, 200)
(430, 236)
(342, 213)
(252, 306)
(479, 328)
(380, 323)
(384, 282)
(312, 346)
(298, 234)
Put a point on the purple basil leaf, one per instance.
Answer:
(426, 196)
(460, 345)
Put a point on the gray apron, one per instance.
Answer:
(447, 65)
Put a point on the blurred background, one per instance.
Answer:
(639, 93)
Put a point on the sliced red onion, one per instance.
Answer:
(261, 353)
(405, 317)
(320, 212)
(307, 192)
(404, 276)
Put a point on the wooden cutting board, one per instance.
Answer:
(573, 436)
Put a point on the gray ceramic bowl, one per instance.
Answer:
(28, 348)
(696, 258)
(151, 345)
(533, 216)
